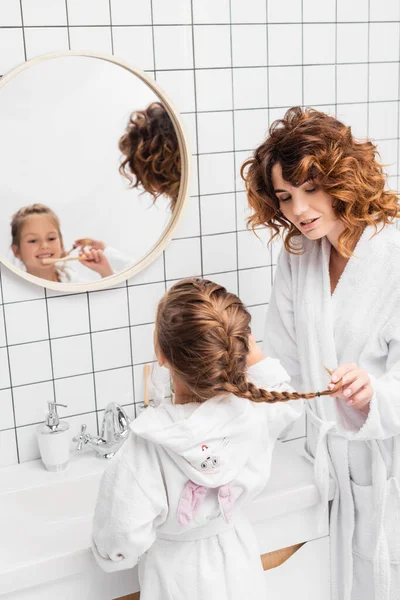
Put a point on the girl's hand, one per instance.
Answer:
(356, 390)
(96, 244)
(96, 261)
(255, 354)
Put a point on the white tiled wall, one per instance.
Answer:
(231, 67)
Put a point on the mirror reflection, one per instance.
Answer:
(91, 169)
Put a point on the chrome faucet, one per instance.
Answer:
(114, 431)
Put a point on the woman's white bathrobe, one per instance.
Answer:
(308, 329)
(172, 495)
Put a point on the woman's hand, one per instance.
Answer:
(255, 354)
(356, 387)
(96, 261)
(96, 244)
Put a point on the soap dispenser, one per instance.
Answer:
(54, 441)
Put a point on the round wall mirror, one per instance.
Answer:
(95, 171)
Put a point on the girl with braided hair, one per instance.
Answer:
(174, 493)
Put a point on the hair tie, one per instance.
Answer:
(318, 394)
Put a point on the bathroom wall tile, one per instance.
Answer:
(319, 85)
(249, 12)
(4, 369)
(8, 448)
(71, 355)
(240, 159)
(16, 289)
(243, 210)
(108, 309)
(258, 314)
(11, 49)
(26, 321)
(182, 258)
(250, 87)
(276, 246)
(115, 385)
(179, 85)
(44, 12)
(383, 81)
(176, 12)
(318, 43)
(30, 402)
(284, 12)
(189, 124)
(347, 50)
(316, 11)
(251, 127)
(173, 47)
(154, 272)
(118, 340)
(284, 44)
(216, 173)
(228, 279)
(388, 150)
(382, 120)
(96, 39)
(131, 12)
(356, 10)
(384, 11)
(285, 86)
(143, 301)
(211, 11)
(217, 213)
(215, 131)
(6, 410)
(30, 363)
(189, 224)
(249, 45)
(2, 329)
(68, 315)
(356, 116)
(134, 44)
(384, 41)
(142, 343)
(352, 83)
(213, 89)
(255, 285)
(41, 40)
(90, 12)
(194, 179)
(212, 46)
(219, 253)
(253, 251)
(10, 13)
(77, 393)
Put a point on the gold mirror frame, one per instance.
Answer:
(177, 213)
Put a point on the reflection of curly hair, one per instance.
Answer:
(312, 146)
(151, 150)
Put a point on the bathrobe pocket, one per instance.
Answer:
(369, 530)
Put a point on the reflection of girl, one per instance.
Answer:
(174, 492)
(36, 235)
(336, 302)
(151, 149)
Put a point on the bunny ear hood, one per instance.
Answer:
(210, 442)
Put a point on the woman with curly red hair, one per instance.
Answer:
(336, 302)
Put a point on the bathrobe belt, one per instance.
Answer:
(215, 526)
(321, 460)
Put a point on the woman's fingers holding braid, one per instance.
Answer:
(355, 388)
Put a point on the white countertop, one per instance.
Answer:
(45, 518)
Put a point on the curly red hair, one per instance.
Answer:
(151, 149)
(313, 146)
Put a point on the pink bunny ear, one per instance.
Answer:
(191, 498)
(226, 501)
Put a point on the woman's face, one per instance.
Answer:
(39, 239)
(309, 209)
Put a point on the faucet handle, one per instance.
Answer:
(81, 438)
